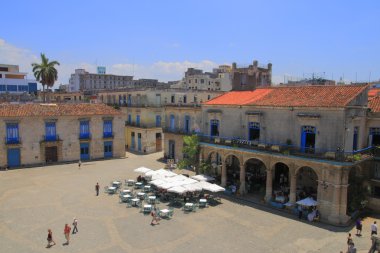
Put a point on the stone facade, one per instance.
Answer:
(32, 144)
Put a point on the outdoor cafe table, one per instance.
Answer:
(147, 208)
(152, 199)
(116, 183)
(164, 212)
(141, 195)
(146, 188)
(126, 191)
(189, 207)
(127, 196)
(138, 184)
(130, 182)
(112, 189)
(203, 202)
(135, 202)
(280, 199)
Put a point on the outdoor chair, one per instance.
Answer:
(105, 189)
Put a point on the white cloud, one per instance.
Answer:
(161, 70)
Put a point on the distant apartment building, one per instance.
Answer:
(91, 83)
(63, 97)
(84, 81)
(47, 133)
(13, 81)
(226, 78)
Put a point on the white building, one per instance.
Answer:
(15, 82)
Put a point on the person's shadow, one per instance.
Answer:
(65, 244)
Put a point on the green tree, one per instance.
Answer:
(45, 73)
(190, 151)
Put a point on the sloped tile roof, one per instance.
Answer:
(33, 110)
(301, 96)
(373, 92)
(374, 104)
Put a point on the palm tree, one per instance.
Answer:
(45, 73)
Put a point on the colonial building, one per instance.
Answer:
(144, 112)
(289, 141)
(42, 133)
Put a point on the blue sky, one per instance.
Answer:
(160, 39)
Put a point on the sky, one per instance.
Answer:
(161, 39)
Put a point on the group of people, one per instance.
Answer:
(66, 232)
(350, 242)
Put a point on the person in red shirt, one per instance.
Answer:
(66, 231)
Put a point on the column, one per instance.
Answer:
(242, 179)
(334, 210)
(268, 191)
(293, 187)
(224, 174)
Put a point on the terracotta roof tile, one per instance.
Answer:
(374, 104)
(373, 92)
(32, 110)
(301, 96)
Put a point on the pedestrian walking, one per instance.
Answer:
(79, 164)
(374, 228)
(154, 221)
(351, 248)
(97, 187)
(349, 241)
(359, 226)
(66, 232)
(50, 239)
(75, 224)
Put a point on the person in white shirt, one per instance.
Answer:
(374, 228)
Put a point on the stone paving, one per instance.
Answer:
(35, 199)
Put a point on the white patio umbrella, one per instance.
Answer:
(211, 187)
(142, 170)
(158, 182)
(202, 177)
(189, 181)
(177, 189)
(307, 202)
(171, 184)
(192, 187)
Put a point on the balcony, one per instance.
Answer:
(12, 141)
(133, 124)
(48, 138)
(84, 136)
(177, 130)
(108, 135)
(291, 150)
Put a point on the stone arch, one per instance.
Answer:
(306, 182)
(281, 176)
(232, 165)
(255, 174)
(215, 159)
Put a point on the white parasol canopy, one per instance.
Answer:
(192, 187)
(211, 187)
(142, 170)
(202, 177)
(158, 182)
(307, 202)
(162, 172)
(177, 189)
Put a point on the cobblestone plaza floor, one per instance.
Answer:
(35, 199)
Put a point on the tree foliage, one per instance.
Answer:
(190, 151)
(45, 72)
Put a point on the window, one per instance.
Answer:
(196, 80)
(187, 124)
(158, 120)
(355, 139)
(253, 131)
(12, 133)
(107, 128)
(208, 97)
(172, 121)
(129, 118)
(84, 129)
(137, 120)
(202, 80)
(172, 99)
(50, 131)
(374, 136)
(214, 129)
(195, 99)
(184, 99)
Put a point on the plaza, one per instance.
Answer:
(35, 199)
